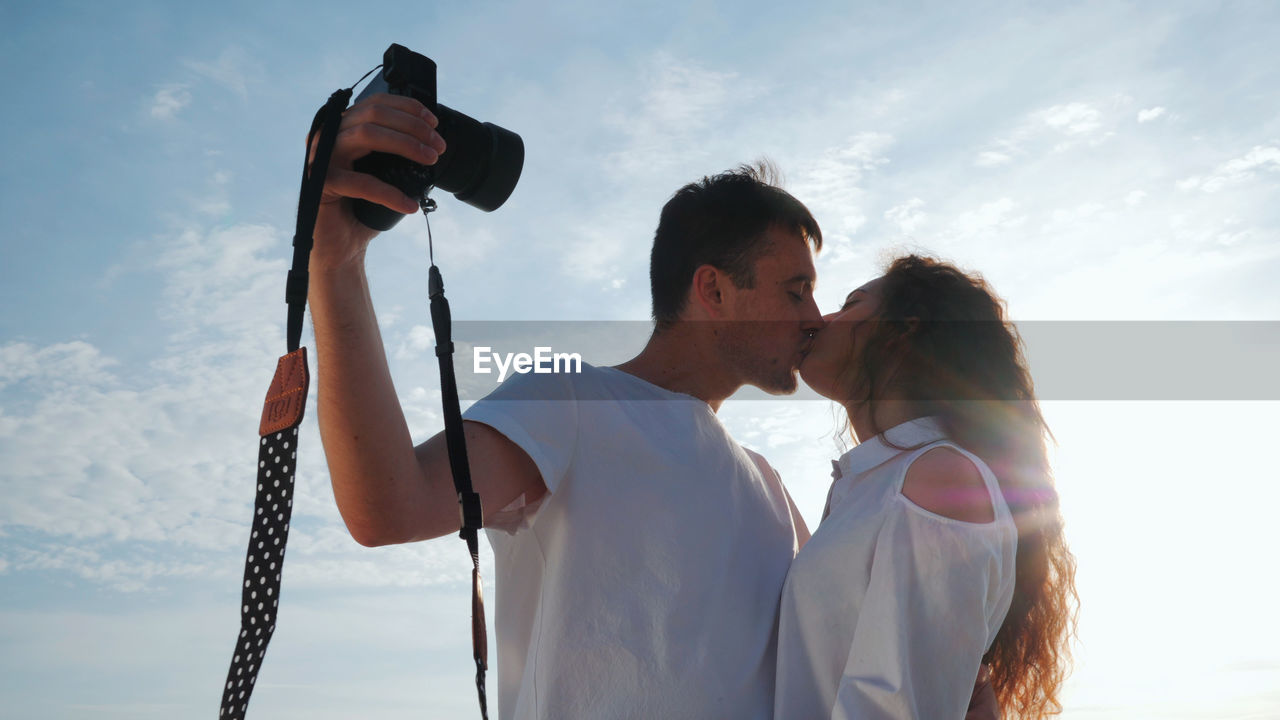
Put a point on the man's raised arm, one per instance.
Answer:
(387, 493)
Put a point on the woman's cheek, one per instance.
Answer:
(816, 368)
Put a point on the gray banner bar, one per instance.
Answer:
(1069, 360)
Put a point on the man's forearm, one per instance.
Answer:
(366, 440)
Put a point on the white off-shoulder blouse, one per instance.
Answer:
(888, 609)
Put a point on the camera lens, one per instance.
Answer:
(506, 159)
(482, 162)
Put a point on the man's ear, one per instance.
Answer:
(707, 292)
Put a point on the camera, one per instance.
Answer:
(480, 166)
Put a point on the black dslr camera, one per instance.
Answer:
(480, 166)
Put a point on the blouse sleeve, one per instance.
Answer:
(939, 590)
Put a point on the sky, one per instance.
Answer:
(1110, 167)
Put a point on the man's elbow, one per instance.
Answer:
(381, 534)
(369, 540)
(371, 535)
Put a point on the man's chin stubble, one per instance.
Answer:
(781, 385)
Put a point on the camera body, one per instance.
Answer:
(481, 165)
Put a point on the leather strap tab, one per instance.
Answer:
(479, 635)
(287, 396)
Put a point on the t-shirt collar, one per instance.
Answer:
(880, 449)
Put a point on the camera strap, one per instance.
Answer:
(455, 439)
(278, 438)
(278, 433)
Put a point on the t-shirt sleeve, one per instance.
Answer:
(537, 412)
(926, 620)
(773, 481)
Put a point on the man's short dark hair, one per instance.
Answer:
(720, 221)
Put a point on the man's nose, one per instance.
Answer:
(814, 319)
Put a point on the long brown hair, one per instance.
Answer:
(941, 340)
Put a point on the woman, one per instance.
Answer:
(941, 547)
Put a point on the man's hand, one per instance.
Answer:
(384, 123)
(983, 705)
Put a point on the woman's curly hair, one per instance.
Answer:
(940, 338)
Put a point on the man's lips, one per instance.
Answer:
(807, 345)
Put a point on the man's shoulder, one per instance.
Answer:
(563, 382)
(760, 462)
(755, 456)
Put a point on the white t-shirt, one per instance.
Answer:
(889, 608)
(646, 583)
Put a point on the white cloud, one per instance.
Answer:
(1057, 128)
(597, 254)
(683, 95)
(830, 184)
(1150, 114)
(987, 219)
(419, 340)
(55, 366)
(1235, 171)
(222, 280)
(647, 137)
(168, 101)
(1082, 212)
(675, 101)
(212, 206)
(459, 242)
(991, 158)
(139, 568)
(1072, 119)
(155, 463)
(1134, 197)
(907, 216)
(389, 317)
(234, 69)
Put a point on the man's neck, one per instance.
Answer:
(680, 359)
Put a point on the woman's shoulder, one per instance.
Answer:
(945, 481)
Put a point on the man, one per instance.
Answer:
(640, 551)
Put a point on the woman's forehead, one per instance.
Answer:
(869, 287)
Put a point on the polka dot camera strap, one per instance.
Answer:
(272, 507)
(278, 437)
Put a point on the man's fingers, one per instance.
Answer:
(361, 139)
(418, 123)
(352, 184)
(398, 102)
(387, 123)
